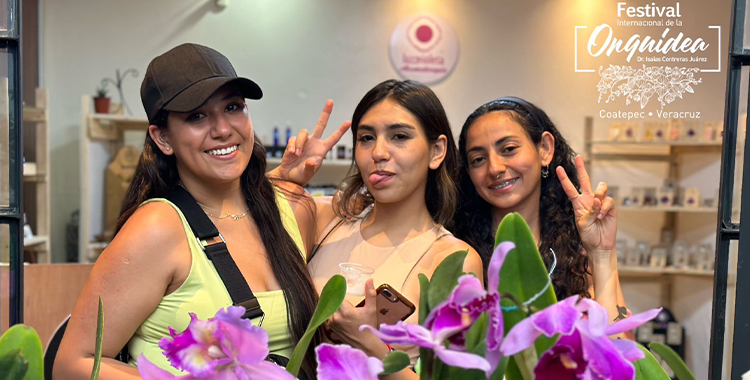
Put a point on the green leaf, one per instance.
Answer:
(25, 340)
(424, 287)
(512, 371)
(13, 365)
(330, 300)
(476, 333)
(673, 360)
(99, 338)
(649, 368)
(523, 275)
(499, 373)
(445, 278)
(395, 361)
(424, 354)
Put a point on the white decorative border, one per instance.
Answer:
(640, 85)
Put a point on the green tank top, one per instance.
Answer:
(203, 293)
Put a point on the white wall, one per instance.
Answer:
(304, 52)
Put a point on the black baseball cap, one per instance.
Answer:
(183, 78)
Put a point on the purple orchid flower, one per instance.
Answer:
(450, 320)
(584, 350)
(344, 362)
(223, 347)
(403, 333)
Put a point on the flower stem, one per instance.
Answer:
(515, 301)
(526, 361)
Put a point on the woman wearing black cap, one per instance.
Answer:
(154, 272)
(510, 153)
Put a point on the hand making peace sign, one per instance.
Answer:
(304, 153)
(595, 212)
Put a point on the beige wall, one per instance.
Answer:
(304, 52)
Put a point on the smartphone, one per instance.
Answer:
(392, 306)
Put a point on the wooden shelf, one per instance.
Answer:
(715, 144)
(274, 161)
(37, 178)
(708, 210)
(34, 241)
(640, 271)
(111, 127)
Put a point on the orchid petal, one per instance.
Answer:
(245, 342)
(149, 371)
(628, 349)
(559, 318)
(496, 262)
(519, 338)
(265, 370)
(464, 305)
(495, 328)
(344, 362)
(448, 322)
(462, 359)
(403, 333)
(597, 316)
(560, 362)
(468, 289)
(632, 322)
(494, 336)
(603, 357)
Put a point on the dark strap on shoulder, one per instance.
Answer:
(215, 247)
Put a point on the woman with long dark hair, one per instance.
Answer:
(155, 272)
(513, 159)
(392, 208)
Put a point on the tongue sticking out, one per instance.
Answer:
(376, 178)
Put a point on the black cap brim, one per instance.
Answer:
(196, 95)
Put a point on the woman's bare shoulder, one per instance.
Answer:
(153, 227)
(449, 244)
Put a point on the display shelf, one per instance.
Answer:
(331, 172)
(670, 153)
(707, 210)
(713, 144)
(102, 136)
(641, 271)
(111, 127)
(36, 187)
(38, 178)
(35, 241)
(329, 163)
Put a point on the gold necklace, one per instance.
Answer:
(234, 217)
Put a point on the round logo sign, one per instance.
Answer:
(424, 48)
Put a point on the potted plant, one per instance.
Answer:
(101, 100)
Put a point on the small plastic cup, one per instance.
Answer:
(356, 275)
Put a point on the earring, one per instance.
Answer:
(363, 191)
(545, 171)
(168, 149)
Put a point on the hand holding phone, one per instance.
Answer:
(391, 305)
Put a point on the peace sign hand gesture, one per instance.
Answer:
(595, 212)
(304, 153)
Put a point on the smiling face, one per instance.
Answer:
(393, 154)
(503, 163)
(213, 143)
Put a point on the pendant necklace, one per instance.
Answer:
(223, 215)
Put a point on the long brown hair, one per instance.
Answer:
(558, 229)
(156, 175)
(420, 101)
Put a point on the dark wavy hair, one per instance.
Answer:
(156, 176)
(441, 195)
(558, 229)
